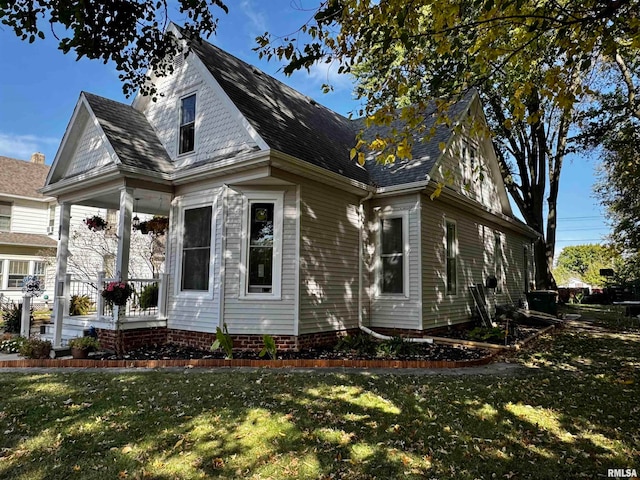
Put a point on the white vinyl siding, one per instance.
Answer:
(218, 131)
(90, 152)
(329, 235)
(29, 217)
(259, 314)
(398, 311)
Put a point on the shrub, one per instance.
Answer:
(149, 296)
(35, 348)
(89, 344)
(79, 305)
(11, 316)
(396, 347)
(485, 334)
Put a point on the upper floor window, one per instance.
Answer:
(5, 216)
(452, 257)
(40, 270)
(196, 249)
(52, 219)
(187, 140)
(392, 255)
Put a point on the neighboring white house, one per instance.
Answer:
(29, 232)
(273, 229)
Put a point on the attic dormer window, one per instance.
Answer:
(187, 124)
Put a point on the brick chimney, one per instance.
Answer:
(37, 158)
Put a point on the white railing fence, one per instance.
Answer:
(148, 300)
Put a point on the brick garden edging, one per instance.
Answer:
(222, 363)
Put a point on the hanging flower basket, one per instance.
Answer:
(117, 293)
(157, 226)
(95, 223)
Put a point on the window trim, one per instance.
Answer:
(189, 204)
(389, 215)
(10, 216)
(248, 198)
(447, 222)
(180, 124)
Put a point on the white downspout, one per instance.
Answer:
(367, 330)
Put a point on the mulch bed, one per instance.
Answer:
(516, 335)
(430, 352)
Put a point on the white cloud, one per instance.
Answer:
(22, 146)
(257, 19)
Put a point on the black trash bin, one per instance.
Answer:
(545, 301)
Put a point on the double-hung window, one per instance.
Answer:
(196, 249)
(5, 216)
(263, 245)
(392, 255)
(451, 244)
(18, 269)
(187, 137)
(52, 219)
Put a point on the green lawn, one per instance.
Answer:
(572, 412)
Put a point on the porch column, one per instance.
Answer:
(124, 234)
(59, 302)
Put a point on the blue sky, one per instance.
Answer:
(39, 87)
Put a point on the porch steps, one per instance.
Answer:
(72, 328)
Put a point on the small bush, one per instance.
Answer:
(35, 348)
(397, 347)
(11, 315)
(149, 296)
(484, 334)
(89, 344)
(79, 305)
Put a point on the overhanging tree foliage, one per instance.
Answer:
(533, 62)
(129, 33)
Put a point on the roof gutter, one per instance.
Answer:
(403, 188)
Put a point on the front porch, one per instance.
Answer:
(146, 309)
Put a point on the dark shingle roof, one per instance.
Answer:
(29, 239)
(21, 178)
(287, 120)
(425, 154)
(130, 134)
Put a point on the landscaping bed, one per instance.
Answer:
(517, 333)
(407, 352)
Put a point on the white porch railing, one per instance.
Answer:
(147, 302)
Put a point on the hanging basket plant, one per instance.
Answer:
(157, 226)
(117, 293)
(95, 223)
